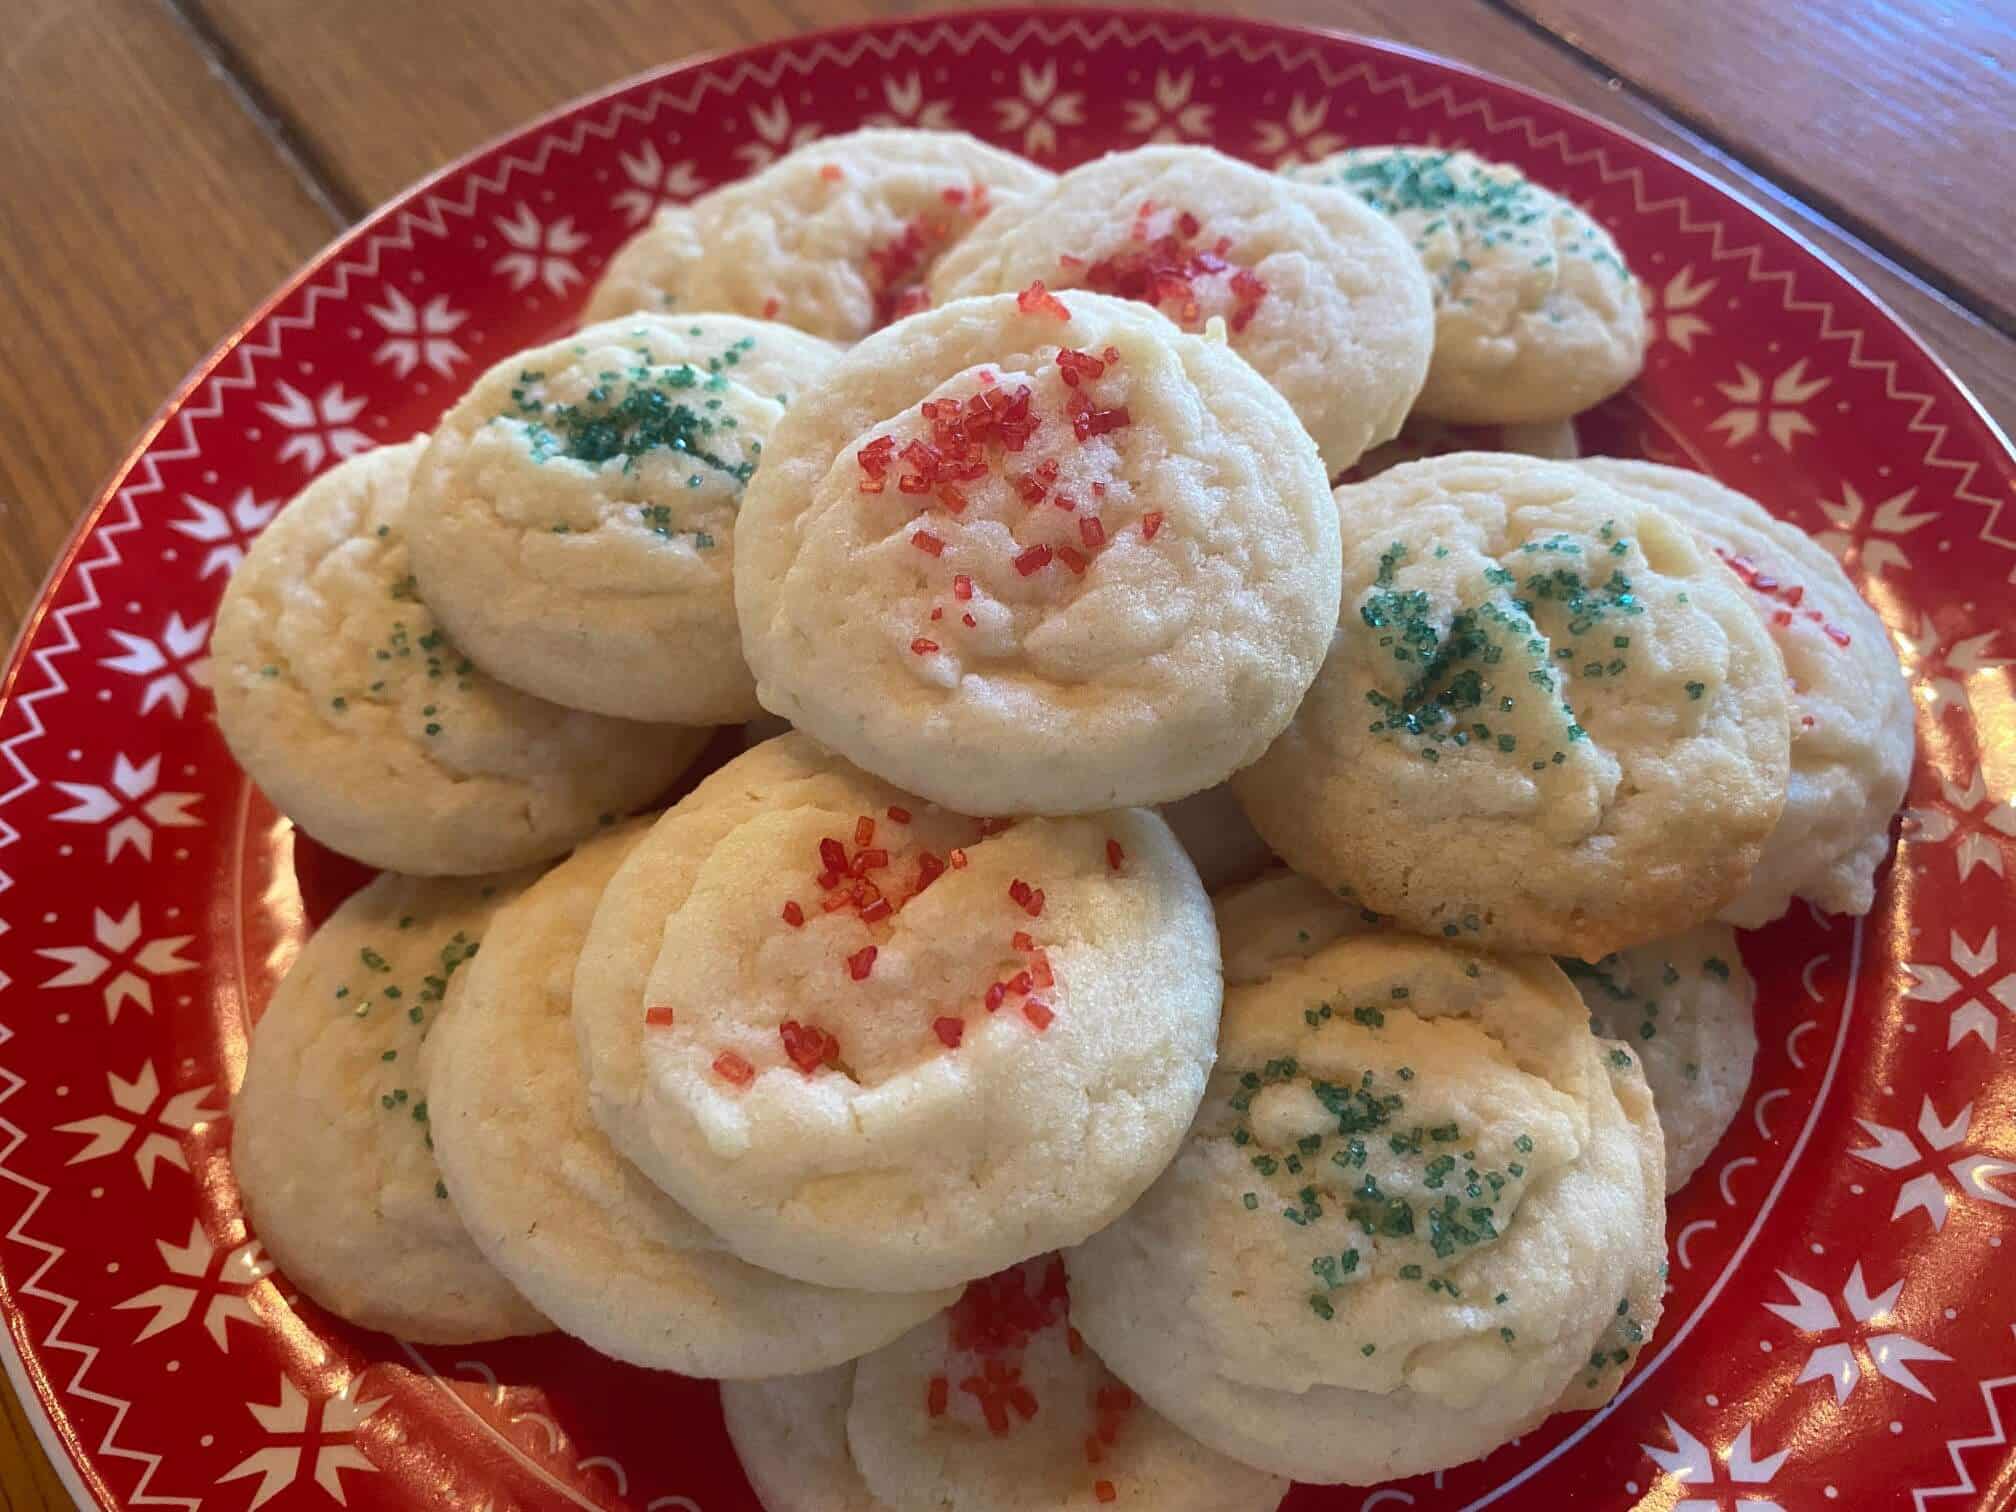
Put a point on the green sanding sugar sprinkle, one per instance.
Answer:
(1369, 1350)
(1371, 1018)
(1523, 1144)
(1716, 966)
(1320, 1305)
(389, 1055)
(1695, 689)
(440, 1190)
(646, 417)
(372, 959)
(1252, 1201)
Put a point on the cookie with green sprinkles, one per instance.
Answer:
(1536, 315)
(836, 237)
(331, 1143)
(1685, 1008)
(573, 517)
(996, 1405)
(1454, 1189)
(1854, 730)
(574, 1226)
(341, 695)
(1548, 721)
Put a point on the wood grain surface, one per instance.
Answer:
(164, 164)
(1891, 116)
(121, 263)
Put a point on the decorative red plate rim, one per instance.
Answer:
(25, 1371)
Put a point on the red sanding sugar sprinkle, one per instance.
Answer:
(1034, 560)
(899, 815)
(923, 647)
(962, 587)
(928, 543)
(1039, 970)
(793, 914)
(1075, 1341)
(731, 1068)
(1165, 271)
(1038, 1013)
(1092, 531)
(833, 855)
(808, 1046)
(658, 1015)
(864, 831)
(958, 859)
(1151, 522)
(861, 963)
(1021, 892)
(876, 911)
(1036, 299)
(1074, 559)
(1104, 1491)
(995, 996)
(949, 1031)
(937, 1396)
(1115, 856)
(1021, 940)
(998, 1314)
(929, 870)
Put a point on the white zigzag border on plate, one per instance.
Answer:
(432, 216)
(1995, 1437)
(106, 539)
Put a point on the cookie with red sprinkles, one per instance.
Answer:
(1316, 289)
(573, 516)
(875, 1043)
(1550, 719)
(574, 1226)
(330, 1142)
(1421, 1209)
(996, 1405)
(837, 237)
(1854, 732)
(1039, 553)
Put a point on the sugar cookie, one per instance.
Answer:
(1536, 315)
(329, 1136)
(875, 1044)
(573, 519)
(1405, 1217)
(1029, 555)
(1685, 1005)
(1549, 721)
(994, 1406)
(836, 238)
(1854, 732)
(577, 1228)
(368, 727)
(1317, 291)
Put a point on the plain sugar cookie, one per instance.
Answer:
(1536, 315)
(573, 518)
(1317, 291)
(836, 238)
(1409, 1210)
(1548, 722)
(1686, 1006)
(1025, 554)
(993, 1406)
(329, 1136)
(875, 1044)
(602, 1252)
(1854, 731)
(367, 726)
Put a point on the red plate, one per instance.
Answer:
(1839, 1329)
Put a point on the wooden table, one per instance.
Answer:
(169, 161)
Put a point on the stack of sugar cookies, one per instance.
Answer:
(903, 1074)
